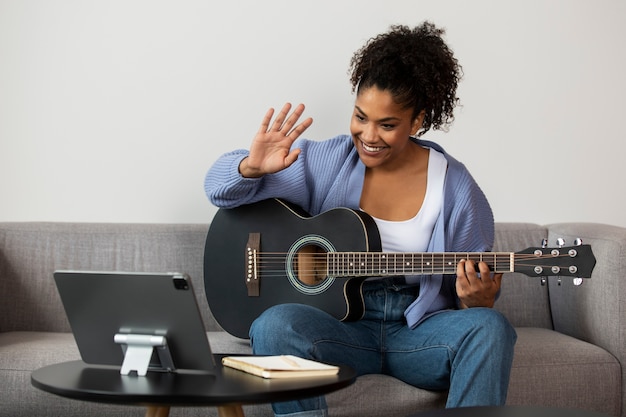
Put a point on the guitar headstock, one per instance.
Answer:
(575, 261)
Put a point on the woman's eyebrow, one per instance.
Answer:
(384, 119)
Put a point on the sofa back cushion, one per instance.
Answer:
(31, 252)
(593, 311)
(523, 299)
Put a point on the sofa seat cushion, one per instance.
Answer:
(371, 395)
(556, 363)
(23, 352)
(27, 351)
(553, 369)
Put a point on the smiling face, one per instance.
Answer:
(381, 128)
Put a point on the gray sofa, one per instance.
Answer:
(569, 353)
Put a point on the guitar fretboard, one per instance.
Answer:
(358, 264)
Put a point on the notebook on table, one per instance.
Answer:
(280, 366)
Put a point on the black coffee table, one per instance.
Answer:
(226, 388)
(509, 411)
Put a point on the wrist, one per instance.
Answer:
(248, 172)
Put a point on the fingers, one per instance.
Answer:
(497, 278)
(271, 149)
(291, 158)
(469, 270)
(469, 274)
(298, 130)
(465, 271)
(476, 288)
(285, 122)
(266, 121)
(484, 270)
(282, 115)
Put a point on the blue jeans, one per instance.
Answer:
(467, 352)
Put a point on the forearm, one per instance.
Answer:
(225, 186)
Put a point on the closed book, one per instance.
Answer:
(281, 366)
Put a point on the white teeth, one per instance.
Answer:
(371, 148)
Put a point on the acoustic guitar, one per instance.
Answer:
(272, 252)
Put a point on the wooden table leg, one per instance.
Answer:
(158, 411)
(230, 410)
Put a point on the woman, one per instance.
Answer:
(434, 332)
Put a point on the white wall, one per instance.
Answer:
(113, 110)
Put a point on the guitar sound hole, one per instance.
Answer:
(310, 265)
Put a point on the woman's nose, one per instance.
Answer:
(369, 133)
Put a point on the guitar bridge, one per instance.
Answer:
(252, 275)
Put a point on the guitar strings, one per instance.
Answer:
(274, 264)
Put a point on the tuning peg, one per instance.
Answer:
(561, 242)
(543, 281)
(559, 282)
(578, 241)
(577, 281)
(544, 243)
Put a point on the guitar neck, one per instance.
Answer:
(357, 264)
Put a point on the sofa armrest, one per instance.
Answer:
(593, 311)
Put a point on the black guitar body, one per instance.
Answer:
(283, 229)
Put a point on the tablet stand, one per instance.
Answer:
(138, 350)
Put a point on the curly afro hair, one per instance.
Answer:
(416, 67)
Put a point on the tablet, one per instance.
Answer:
(138, 321)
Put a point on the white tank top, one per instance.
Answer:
(413, 235)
